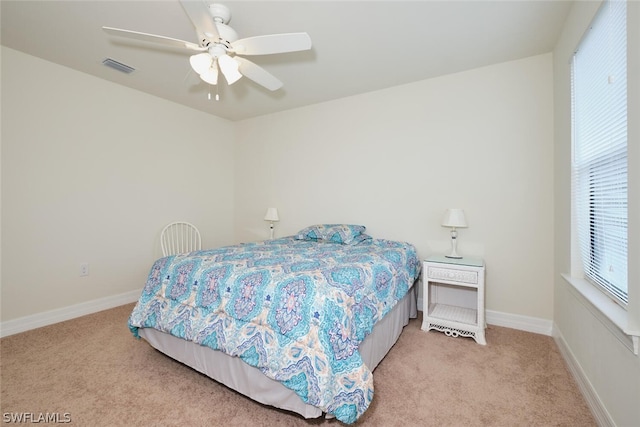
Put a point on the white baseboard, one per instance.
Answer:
(522, 323)
(27, 323)
(598, 409)
(516, 321)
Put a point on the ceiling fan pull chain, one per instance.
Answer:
(217, 94)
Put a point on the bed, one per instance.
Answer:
(298, 323)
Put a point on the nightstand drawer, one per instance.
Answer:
(453, 275)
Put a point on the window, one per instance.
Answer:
(599, 169)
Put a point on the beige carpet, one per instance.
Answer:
(94, 370)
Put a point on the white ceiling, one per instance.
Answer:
(358, 46)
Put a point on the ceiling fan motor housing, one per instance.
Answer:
(220, 13)
(226, 33)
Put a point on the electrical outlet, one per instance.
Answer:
(84, 269)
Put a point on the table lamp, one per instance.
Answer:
(454, 218)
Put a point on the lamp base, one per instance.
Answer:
(454, 245)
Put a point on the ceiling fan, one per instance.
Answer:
(219, 47)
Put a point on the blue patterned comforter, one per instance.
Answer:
(295, 309)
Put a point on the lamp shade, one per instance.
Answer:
(201, 62)
(210, 76)
(454, 218)
(271, 215)
(229, 68)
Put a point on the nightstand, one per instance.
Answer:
(453, 300)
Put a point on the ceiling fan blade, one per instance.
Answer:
(274, 43)
(258, 74)
(167, 41)
(198, 13)
(229, 68)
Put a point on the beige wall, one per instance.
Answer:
(609, 371)
(395, 159)
(86, 162)
(91, 172)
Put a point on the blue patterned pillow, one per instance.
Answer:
(361, 238)
(345, 234)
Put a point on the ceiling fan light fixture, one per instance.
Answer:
(201, 63)
(210, 76)
(229, 68)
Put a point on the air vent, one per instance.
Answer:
(118, 66)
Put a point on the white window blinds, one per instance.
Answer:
(599, 170)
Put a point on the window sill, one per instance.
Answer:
(612, 316)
